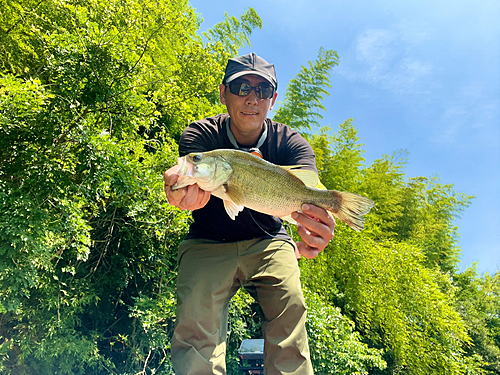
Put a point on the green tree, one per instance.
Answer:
(383, 281)
(400, 304)
(338, 157)
(232, 33)
(384, 183)
(478, 301)
(304, 93)
(92, 97)
(429, 209)
(336, 348)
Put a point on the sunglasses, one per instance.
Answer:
(262, 90)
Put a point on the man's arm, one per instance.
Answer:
(187, 198)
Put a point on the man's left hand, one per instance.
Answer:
(316, 227)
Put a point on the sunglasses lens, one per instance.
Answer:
(266, 92)
(262, 91)
(235, 88)
(245, 89)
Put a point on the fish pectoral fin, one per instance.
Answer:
(233, 200)
(220, 192)
(232, 208)
(235, 195)
(308, 177)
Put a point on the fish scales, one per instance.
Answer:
(265, 187)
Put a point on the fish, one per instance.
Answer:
(242, 179)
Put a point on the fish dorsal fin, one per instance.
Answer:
(321, 186)
(290, 167)
(232, 208)
(310, 178)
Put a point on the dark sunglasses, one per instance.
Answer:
(262, 90)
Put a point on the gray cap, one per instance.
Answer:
(250, 64)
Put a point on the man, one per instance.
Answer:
(220, 255)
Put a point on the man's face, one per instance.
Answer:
(247, 112)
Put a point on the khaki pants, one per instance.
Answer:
(210, 273)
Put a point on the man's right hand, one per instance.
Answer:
(187, 198)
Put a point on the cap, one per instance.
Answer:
(250, 64)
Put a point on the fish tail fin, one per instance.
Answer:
(351, 209)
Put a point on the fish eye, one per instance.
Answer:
(197, 158)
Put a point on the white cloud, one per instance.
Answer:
(471, 119)
(416, 68)
(374, 46)
(414, 62)
(389, 59)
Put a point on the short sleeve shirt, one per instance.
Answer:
(283, 146)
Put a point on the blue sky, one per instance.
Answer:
(423, 76)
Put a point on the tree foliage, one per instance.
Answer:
(388, 279)
(304, 93)
(233, 33)
(93, 96)
(478, 302)
(395, 280)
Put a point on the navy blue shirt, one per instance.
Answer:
(283, 146)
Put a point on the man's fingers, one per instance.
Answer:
(205, 197)
(307, 251)
(196, 197)
(315, 227)
(188, 198)
(191, 198)
(175, 197)
(170, 176)
(319, 214)
(311, 238)
(312, 227)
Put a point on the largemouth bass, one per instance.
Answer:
(241, 180)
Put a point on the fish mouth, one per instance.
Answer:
(182, 163)
(185, 173)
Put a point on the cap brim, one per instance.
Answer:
(248, 72)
